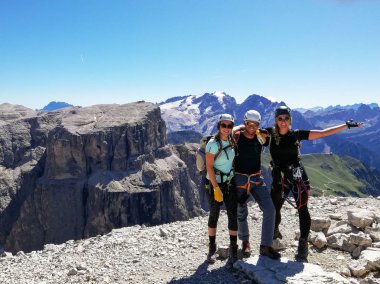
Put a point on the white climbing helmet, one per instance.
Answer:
(252, 115)
(225, 116)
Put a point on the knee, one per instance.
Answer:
(304, 213)
(233, 225)
(269, 209)
(270, 204)
(214, 216)
(242, 211)
(242, 216)
(213, 220)
(232, 220)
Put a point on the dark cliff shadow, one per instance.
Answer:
(11, 213)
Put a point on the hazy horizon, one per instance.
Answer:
(239, 102)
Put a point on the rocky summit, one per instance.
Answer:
(344, 248)
(79, 172)
(96, 195)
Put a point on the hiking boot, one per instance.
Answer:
(233, 257)
(277, 234)
(211, 253)
(303, 250)
(269, 252)
(246, 249)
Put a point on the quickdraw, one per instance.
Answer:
(247, 185)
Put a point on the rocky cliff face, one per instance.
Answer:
(79, 172)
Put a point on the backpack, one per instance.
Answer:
(201, 152)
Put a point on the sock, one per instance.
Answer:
(233, 240)
(212, 239)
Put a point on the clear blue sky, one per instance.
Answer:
(304, 52)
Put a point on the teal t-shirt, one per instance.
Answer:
(225, 160)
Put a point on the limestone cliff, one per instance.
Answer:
(79, 172)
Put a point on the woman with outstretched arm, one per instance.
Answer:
(288, 173)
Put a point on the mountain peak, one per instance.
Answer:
(220, 95)
(266, 100)
(55, 105)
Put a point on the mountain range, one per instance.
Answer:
(321, 109)
(200, 114)
(188, 117)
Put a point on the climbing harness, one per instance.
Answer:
(248, 183)
(298, 183)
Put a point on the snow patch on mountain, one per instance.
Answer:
(181, 112)
(196, 112)
(220, 95)
(272, 99)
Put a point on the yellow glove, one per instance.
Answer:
(260, 137)
(218, 195)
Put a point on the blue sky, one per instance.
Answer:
(305, 52)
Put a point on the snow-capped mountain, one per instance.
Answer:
(199, 113)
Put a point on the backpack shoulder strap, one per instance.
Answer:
(221, 148)
(236, 136)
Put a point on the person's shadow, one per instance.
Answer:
(202, 275)
(265, 269)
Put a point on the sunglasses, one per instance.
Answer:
(286, 118)
(229, 126)
(252, 123)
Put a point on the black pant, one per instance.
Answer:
(300, 187)
(229, 199)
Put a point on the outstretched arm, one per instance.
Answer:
(315, 134)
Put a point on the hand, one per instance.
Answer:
(218, 195)
(260, 137)
(350, 123)
(264, 132)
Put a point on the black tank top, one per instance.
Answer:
(286, 152)
(248, 159)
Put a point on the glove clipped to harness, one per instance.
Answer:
(261, 135)
(218, 195)
(350, 123)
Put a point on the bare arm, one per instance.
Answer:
(238, 128)
(315, 134)
(210, 168)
